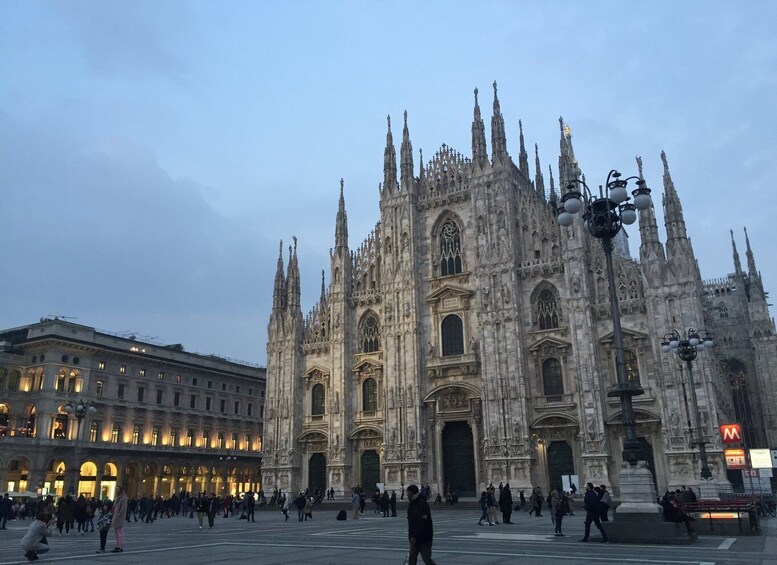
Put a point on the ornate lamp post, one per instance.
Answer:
(686, 347)
(79, 408)
(604, 215)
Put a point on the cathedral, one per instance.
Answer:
(468, 339)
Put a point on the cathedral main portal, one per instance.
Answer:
(317, 472)
(370, 463)
(458, 458)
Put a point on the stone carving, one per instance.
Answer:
(337, 402)
(674, 422)
(411, 434)
(391, 398)
(410, 396)
(516, 429)
(455, 399)
(430, 349)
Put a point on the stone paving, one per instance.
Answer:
(374, 540)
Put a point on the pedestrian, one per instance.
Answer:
(119, 516)
(522, 498)
(492, 504)
(300, 503)
(104, 525)
(484, 509)
(591, 504)
(506, 503)
(309, 502)
(5, 510)
(420, 530)
(213, 508)
(553, 502)
(201, 505)
(34, 541)
(250, 506)
(284, 503)
(606, 500)
(356, 502)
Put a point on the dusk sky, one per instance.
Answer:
(152, 154)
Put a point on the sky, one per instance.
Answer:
(153, 154)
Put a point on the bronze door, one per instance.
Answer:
(458, 458)
(317, 472)
(560, 462)
(370, 461)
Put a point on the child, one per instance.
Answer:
(104, 525)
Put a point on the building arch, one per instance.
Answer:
(452, 335)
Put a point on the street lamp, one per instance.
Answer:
(686, 347)
(79, 408)
(603, 216)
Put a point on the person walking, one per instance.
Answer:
(356, 502)
(34, 541)
(285, 502)
(250, 506)
(299, 504)
(119, 517)
(213, 508)
(560, 509)
(104, 525)
(420, 530)
(201, 506)
(393, 504)
(484, 509)
(606, 500)
(5, 510)
(506, 503)
(592, 510)
(492, 504)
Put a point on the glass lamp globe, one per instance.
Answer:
(665, 347)
(674, 343)
(565, 219)
(642, 201)
(628, 216)
(619, 194)
(572, 205)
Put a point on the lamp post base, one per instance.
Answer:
(708, 489)
(638, 518)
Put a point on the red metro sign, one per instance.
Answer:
(731, 433)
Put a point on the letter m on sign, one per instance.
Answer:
(731, 433)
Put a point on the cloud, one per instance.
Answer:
(102, 233)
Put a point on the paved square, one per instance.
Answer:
(374, 540)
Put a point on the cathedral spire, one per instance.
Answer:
(421, 162)
(553, 197)
(406, 156)
(751, 270)
(479, 154)
(737, 262)
(389, 161)
(498, 138)
(341, 224)
(673, 210)
(523, 157)
(539, 182)
(293, 283)
(567, 164)
(279, 287)
(648, 226)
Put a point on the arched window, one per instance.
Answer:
(632, 367)
(4, 417)
(452, 335)
(155, 436)
(116, 433)
(552, 379)
(369, 337)
(450, 249)
(136, 431)
(547, 310)
(318, 403)
(722, 310)
(369, 395)
(220, 440)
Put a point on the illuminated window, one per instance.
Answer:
(123, 369)
(101, 365)
(178, 378)
(135, 434)
(632, 366)
(161, 376)
(98, 388)
(155, 435)
(174, 437)
(234, 441)
(189, 438)
(220, 440)
(115, 433)
(94, 430)
(142, 373)
(206, 438)
(249, 441)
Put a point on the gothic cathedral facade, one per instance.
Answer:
(468, 339)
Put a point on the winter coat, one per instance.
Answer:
(419, 520)
(119, 512)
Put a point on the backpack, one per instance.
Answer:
(342, 515)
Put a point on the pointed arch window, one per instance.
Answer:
(452, 335)
(450, 249)
(722, 310)
(318, 402)
(369, 395)
(547, 310)
(552, 379)
(369, 337)
(632, 366)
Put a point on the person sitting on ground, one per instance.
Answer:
(34, 541)
(678, 514)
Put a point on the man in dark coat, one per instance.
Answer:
(592, 504)
(506, 504)
(393, 503)
(420, 530)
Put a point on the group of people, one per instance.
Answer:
(673, 505)
(65, 512)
